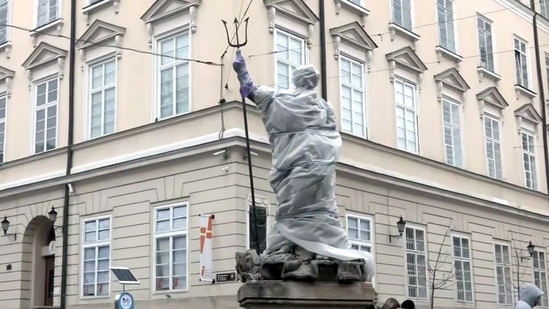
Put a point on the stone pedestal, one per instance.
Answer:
(271, 294)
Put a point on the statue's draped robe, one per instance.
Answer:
(305, 146)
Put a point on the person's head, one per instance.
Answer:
(408, 304)
(305, 77)
(531, 294)
(391, 303)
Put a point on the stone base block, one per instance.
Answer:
(294, 294)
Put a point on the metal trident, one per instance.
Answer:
(237, 25)
(240, 44)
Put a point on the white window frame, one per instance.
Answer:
(400, 22)
(446, 26)
(544, 8)
(363, 96)
(95, 244)
(509, 298)
(493, 142)
(522, 63)
(357, 2)
(359, 242)
(490, 63)
(249, 224)
(3, 140)
(35, 85)
(7, 21)
(171, 233)
(455, 149)
(58, 11)
(416, 253)
(541, 272)
(462, 260)
(101, 62)
(158, 68)
(405, 109)
(531, 174)
(291, 66)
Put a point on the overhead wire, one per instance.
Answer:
(367, 72)
(135, 50)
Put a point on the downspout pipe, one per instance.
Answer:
(541, 89)
(70, 142)
(323, 52)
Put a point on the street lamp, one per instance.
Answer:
(5, 226)
(401, 224)
(531, 249)
(52, 216)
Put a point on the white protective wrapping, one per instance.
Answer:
(305, 149)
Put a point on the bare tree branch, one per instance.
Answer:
(439, 277)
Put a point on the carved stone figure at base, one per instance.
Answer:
(307, 241)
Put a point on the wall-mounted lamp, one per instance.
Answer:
(401, 224)
(531, 249)
(5, 226)
(52, 215)
(223, 153)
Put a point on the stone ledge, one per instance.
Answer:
(293, 295)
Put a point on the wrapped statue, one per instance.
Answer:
(305, 143)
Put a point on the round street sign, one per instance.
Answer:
(125, 301)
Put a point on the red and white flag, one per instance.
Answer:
(206, 234)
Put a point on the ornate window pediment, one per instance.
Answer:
(101, 33)
(6, 75)
(527, 113)
(162, 10)
(354, 35)
(296, 10)
(493, 97)
(45, 54)
(406, 59)
(450, 78)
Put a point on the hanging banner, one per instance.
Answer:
(206, 234)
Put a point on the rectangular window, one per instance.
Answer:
(452, 132)
(521, 63)
(45, 115)
(446, 31)
(416, 267)
(352, 96)
(462, 268)
(360, 233)
(406, 116)
(3, 112)
(174, 80)
(357, 2)
(97, 257)
(290, 53)
(4, 20)
(504, 284)
(544, 8)
(170, 234)
(48, 11)
(485, 43)
(102, 98)
(402, 13)
(493, 146)
(540, 274)
(529, 161)
(260, 224)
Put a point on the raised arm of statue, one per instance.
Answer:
(260, 95)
